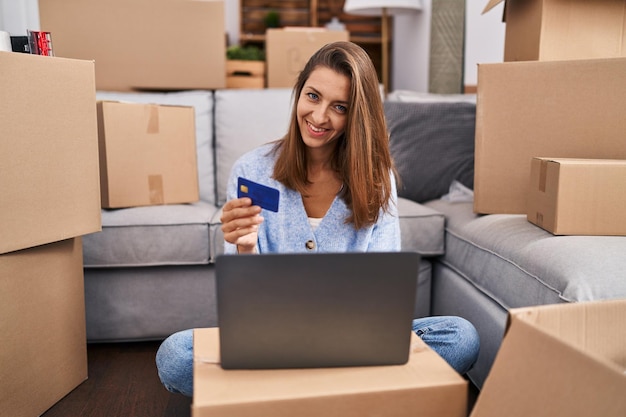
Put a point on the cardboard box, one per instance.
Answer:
(578, 196)
(142, 44)
(49, 173)
(289, 49)
(559, 360)
(245, 74)
(565, 109)
(43, 354)
(147, 154)
(563, 29)
(426, 385)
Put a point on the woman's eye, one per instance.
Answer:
(312, 96)
(341, 109)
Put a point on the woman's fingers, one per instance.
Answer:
(240, 221)
(238, 208)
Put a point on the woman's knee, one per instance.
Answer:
(174, 361)
(453, 338)
(469, 339)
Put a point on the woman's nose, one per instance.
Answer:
(320, 114)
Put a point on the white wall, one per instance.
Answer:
(411, 50)
(16, 16)
(484, 42)
(484, 37)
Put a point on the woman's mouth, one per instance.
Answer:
(316, 130)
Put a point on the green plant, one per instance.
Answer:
(245, 53)
(272, 19)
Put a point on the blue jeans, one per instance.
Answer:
(453, 338)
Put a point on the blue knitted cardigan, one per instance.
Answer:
(289, 231)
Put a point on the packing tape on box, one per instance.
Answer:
(155, 186)
(543, 175)
(153, 119)
(5, 41)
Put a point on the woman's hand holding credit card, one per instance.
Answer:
(261, 195)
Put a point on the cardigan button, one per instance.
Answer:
(310, 245)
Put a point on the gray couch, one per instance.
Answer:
(150, 271)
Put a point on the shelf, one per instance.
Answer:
(364, 30)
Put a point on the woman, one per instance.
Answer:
(337, 194)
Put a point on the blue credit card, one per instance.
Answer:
(261, 195)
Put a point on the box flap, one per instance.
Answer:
(535, 374)
(491, 5)
(591, 327)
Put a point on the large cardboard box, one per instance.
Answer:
(287, 51)
(49, 177)
(147, 154)
(563, 29)
(43, 354)
(426, 385)
(559, 360)
(142, 44)
(570, 196)
(565, 109)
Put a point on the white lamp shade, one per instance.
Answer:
(375, 7)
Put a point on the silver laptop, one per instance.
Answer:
(315, 310)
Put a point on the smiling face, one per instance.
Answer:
(322, 108)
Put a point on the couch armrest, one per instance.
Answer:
(421, 228)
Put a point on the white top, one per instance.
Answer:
(314, 222)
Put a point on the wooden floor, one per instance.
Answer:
(123, 382)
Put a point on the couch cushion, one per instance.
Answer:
(518, 264)
(240, 126)
(202, 101)
(432, 144)
(149, 236)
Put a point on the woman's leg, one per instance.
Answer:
(174, 361)
(453, 338)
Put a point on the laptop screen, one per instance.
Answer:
(315, 310)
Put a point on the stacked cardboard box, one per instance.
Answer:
(564, 192)
(549, 107)
(570, 109)
(563, 29)
(50, 197)
(142, 44)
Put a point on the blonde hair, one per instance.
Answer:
(361, 158)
